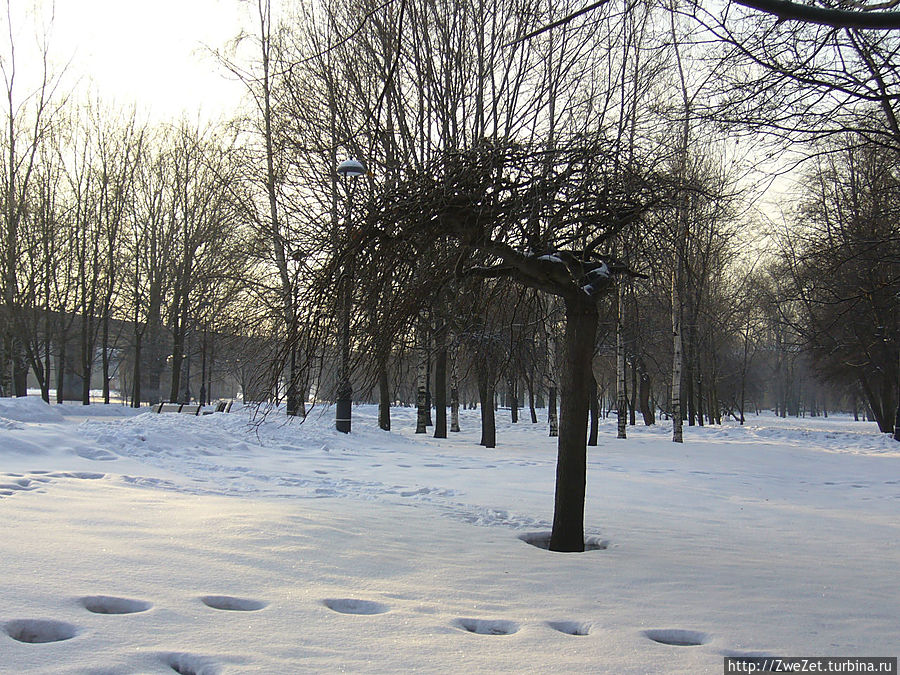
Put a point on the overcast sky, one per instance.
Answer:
(146, 51)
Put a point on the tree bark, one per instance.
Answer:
(384, 397)
(440, 382)
(203, 390)
(644, 396)
(571, 465)
(486, 401)
(699, 396)
(454, 391)
(552, 418)
(20, 370)
(595, 413)
(531, 410)
(428, 396)
(136, 384)
(421, 380)
(633, 404)
(87, 358)
(621, 396)
(104, 346)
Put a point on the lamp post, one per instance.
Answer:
(349, 170)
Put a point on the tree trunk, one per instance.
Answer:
(292, 400)
(61, 368)
(513, 400)
(20, 371)
(440, 382)
(621, 396)
(186, 393)
(384, 397)
(571, 465)
(422, 412)
(203, 390)
(177, 356)
(136, 384)
(897, 414)
(699, 396)
(689, 381)
(633, 404)
(677, 425)
(486, 401)
(644, 397)
(595, 413)
(87, 360)
(531, 409)
(428, 397)
(104, 346)
(552, 418)
(454, 391)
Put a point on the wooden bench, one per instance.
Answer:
(191, 408)
(187, 408)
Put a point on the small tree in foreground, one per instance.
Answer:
(544, 219)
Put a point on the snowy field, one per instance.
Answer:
(168, 543)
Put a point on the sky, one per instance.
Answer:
(152, 54)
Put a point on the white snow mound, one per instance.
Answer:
(29, 409)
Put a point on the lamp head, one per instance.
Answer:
(351, 168)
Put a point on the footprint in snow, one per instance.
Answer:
(487, 626)
(96, 454)
(37, 631)
(571, 627)
(676, 637)
(7, 488)
(228, 603)
(189, 664)
(106, 604)
(352, 606)
(83, 475)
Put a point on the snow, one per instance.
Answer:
(602, 271)
(172, 543)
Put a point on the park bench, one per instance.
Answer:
(191, 408)
(186, 408)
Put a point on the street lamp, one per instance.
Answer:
(348, 170)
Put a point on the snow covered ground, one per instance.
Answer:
(168, 543)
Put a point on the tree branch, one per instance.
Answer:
(838, 18)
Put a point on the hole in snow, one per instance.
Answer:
(189, 664)
(35, 631)
(228, 603)
(542, 540)
(677, 638)
(351, 606)
(487, 626)
(571, 627)
(105, 604)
